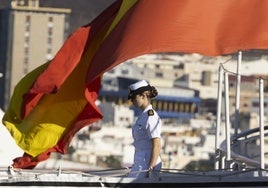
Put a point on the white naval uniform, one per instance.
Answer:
(146, 127)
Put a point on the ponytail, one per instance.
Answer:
(153, 92)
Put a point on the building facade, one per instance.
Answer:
(30, 35)
(176, 103)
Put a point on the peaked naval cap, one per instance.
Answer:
(138, 88)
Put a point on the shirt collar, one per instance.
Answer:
(147, 108)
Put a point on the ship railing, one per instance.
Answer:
(233, 147)
(244, 151)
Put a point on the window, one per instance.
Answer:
(255, 104)
(124, 71)
(159, 74)
(180, 66)
(50, 19)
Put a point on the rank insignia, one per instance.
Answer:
(150, 112)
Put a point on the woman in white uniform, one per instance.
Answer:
(146, 132)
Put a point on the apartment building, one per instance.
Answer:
(30, 35)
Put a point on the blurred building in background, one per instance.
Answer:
(30, 35)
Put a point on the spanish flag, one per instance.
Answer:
(53, 102)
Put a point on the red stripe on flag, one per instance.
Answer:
(208, 27)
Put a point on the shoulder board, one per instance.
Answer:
(150, 112)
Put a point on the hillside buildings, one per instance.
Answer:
(184, 142)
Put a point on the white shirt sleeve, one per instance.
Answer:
(154, 126)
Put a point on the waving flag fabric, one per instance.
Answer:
(53, 102)
(208, 27)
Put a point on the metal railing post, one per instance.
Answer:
(218, 121)
(227, 119)
(237, 94)
(261, 101)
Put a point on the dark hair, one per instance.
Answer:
(150, 91)
(153, 92)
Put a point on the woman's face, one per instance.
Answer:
(139, 100)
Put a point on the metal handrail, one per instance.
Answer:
(247, 133)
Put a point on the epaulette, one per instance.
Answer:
(150, 112)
